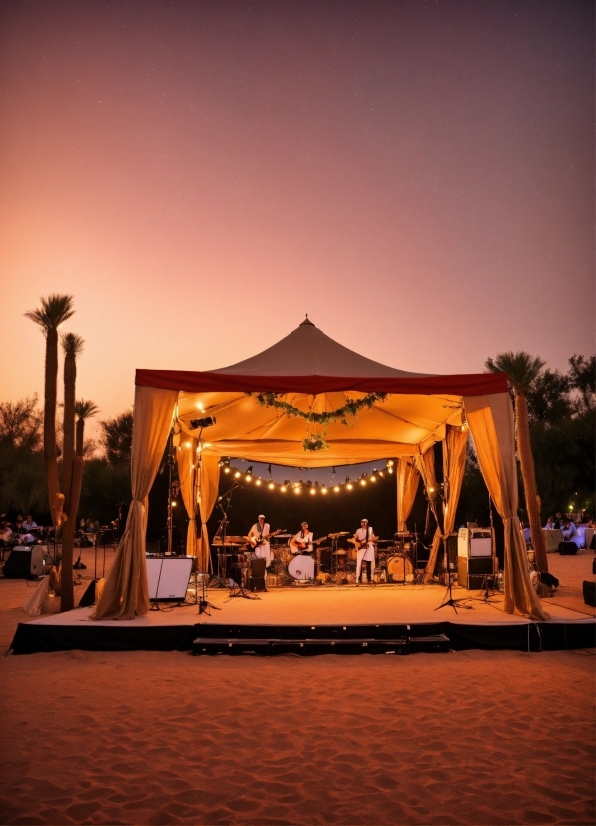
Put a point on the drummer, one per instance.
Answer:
(365, 537)
(301, 542)
(257, 534)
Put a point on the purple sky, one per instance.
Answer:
(418, 177)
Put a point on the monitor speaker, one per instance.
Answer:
(24, 563)
(257, 574)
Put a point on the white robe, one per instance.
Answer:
(366, 553)
(264, 550)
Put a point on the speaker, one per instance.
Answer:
(88, 597)
(168, 577)
(24, 563)
(589, 592)
(567, 548)
(471, 571)
(257, 574)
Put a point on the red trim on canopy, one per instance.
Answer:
(473, 384)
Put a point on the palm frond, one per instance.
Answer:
(72, 344)
(55, 310)
(84, 409)
(521, 368)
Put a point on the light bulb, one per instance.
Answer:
(258, 482)
(237, 475)
(336, 488)
(271, 486)
(323, 490)
(313, 491)
(349, 486)
(283, 488)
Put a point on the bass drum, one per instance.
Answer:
(302, 567)
(399, 569)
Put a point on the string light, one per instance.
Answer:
(312, 487)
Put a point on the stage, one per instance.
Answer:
(349, 619)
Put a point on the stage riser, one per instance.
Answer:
(430, 637)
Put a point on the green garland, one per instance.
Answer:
(350, 408)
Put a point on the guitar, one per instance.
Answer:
(257, 541)
(362, 543)
(298, 546)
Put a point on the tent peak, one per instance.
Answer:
(306, 321)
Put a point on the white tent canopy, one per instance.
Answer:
(311, 372)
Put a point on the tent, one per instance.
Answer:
(309, 373)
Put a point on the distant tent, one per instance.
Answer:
(315, 373)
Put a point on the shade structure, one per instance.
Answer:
(316, 373)
(313, 374)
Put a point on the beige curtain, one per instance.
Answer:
(454, 465)
(187, 461)
(408, 478)
(207, 497)
(126, 591)
(491, 424)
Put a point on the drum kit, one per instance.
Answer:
(396, 560)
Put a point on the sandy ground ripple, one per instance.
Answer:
(159, 738)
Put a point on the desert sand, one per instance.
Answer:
(472, 737)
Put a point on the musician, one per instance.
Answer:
(365, 537)
(302, 541)
(259, 531)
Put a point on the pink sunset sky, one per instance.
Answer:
(416, 176)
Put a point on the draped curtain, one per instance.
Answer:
(126, 591)
(207, 497)
(454, 465)
(491, 424)
(187, 457)
(408, 478)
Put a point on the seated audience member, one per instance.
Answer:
(558, 519)
(6, 533)
(526, 532)
(585, 518)
(550, 524)
(29, 524)
(569, 531)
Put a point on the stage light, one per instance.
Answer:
(389, 470)
(363, 481)
(248, 478)
(227, 469)
(431, 490)
(200, 406)
(297, 489)
(283, 488)
(373, 478)
(381, 474)
(390, 462)
(323, 490)
(349, 486)
(237, 475)
(202, 423)
(258, 482)
(271, 486)
(336, 489)
(174, 504)
(186, 444)
(313, 490)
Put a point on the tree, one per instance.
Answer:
(72, 468)
(54, 311)
(22, 478)
(72, 345)
(117, 438)
(582, 377)
(20, 423)
(84, 409)
(522, 371)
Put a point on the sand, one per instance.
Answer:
(471, 737)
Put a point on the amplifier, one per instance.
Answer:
(24, 562)
(471, 571)
(168, 577)
(474, 542)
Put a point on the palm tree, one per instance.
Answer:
(84, 409)
(54, 311)
(73, 347)
(72, 468)
(522, 371)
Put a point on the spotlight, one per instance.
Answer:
(207, 421)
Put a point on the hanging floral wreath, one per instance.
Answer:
(342, 414)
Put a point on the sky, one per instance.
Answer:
(416, 176)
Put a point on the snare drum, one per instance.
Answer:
(399, 569)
